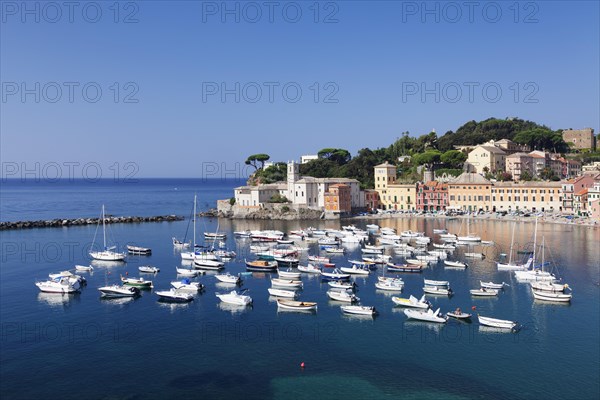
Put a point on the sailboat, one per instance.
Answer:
(470, 237)
(535, 274)
(189, 255)
(107, 254)
(514, 267)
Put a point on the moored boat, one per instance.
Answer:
(148, 269)
(412, 302)
(261, 265)
(309, 269)
(296, 305)
(455, 264)
(428, 316)
(137, 250)
(404, 268)
(286, 283)
(186, 284)
(492, 285)
(282, 293)
(358, 310)
(342, 295)
(289, 274)
(438, 290)
(483, 292)
(229, 278)
(118, 291)
(553, 297)
(497, 323)
(137, 282)
(174, 295)
(234, 297)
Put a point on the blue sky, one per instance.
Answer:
(362, 69)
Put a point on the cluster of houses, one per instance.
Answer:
(577, 191)
(470, 191)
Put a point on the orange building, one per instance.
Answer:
(372, 199)
(338, 199)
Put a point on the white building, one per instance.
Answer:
(300, 190)
(311, 191)
(305, 159)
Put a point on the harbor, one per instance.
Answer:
(206, 333)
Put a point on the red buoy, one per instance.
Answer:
(302, 364)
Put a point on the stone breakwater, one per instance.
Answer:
(58, 223)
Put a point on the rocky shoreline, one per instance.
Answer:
(60, 223)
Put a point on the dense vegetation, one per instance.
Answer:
(427, 150)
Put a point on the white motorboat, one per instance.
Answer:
(492, 285)
(208, 264)
(455, 264)
(289, 274)
(119, 291)
(412, 302)
(371, 251)
(148, 269)
(289, 283)
(234, 297)
(137, 282)
(336, 274)
(438, 290)
(497, 323)
(296, 305)
(554, 297)
(107, 254)
(186, 271)
(440, 231)
(550, 287)
(58, 285)
(483, 292)
(390, 285)
(444, 246)
(429, 282)
(215, 235)
(342, 285)
(282, 293)
(309, 269)
(411, 234)
(429, 315)
(334, 250)
(179, 244)
(140, 251)
(355, 270)
(84, 268)
(242, 234)
(318, 259)
(174, 295)
(359, 310)
(475, 255)
(187, 285)
(342, 295)
(228, 278)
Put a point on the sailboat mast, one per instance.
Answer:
(534, 243)
(103, 227)
(194, 248)
(511, 245)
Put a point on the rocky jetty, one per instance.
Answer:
(57, 223)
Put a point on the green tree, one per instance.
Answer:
(254, 159)
(453, 158)
(428, 158)
(339, 156)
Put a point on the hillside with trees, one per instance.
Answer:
(427, 150)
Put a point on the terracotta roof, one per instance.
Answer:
(581, 192)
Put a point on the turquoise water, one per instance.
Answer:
(72, 346)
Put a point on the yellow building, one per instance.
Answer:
(487, 159)
(470, 192)
(530, 196)
(393, 195)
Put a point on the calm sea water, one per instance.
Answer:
(72, 346)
